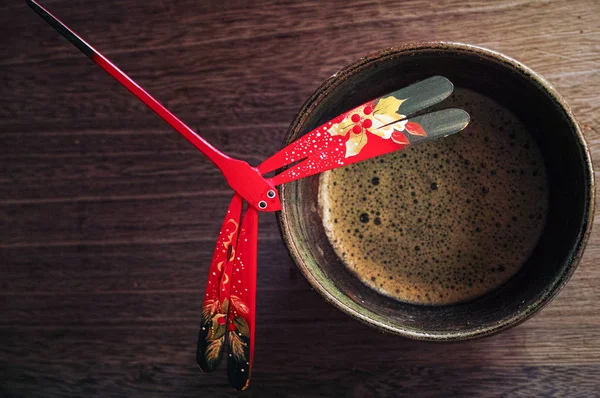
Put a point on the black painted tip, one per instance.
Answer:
(34, 4)
(205, 363)
(62, 28)
(238, 363)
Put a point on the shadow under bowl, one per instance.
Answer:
(570, 179)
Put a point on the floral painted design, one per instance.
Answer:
(380, 118)
(226, 325)
(238, 344)
(214, 315)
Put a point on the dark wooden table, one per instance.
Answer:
(108, 217)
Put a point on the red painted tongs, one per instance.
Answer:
(380, 126)
(369, 130)
(229, 303)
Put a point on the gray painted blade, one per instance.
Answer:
(439, 124)
(422, 94)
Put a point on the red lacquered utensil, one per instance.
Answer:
(243, 178)
(354, 142)
(229, 303)
(377, 116)
(380, 126)
(326, 147)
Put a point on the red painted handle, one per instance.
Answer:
(245, 180)
(217, 157)
(213, 326)
(242, 308)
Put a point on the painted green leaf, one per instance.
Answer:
(225, 306)
(219, 332)
(217, 329)
(241, 326)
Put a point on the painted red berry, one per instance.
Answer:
(231, 327)
(355, 118)
(367, 123)
(221, 320)
(368, 110)
(356, 129)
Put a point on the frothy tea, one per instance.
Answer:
(446, 221)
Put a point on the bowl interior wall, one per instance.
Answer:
(565, 161)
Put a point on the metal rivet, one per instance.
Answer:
(271, 193)
(262, 204)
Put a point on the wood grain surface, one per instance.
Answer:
(108, 218)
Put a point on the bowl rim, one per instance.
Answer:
(370, 318)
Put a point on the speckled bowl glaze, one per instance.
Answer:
(571, 193)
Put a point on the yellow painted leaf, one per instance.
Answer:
(388, 106)
(355, 143)
(341, 128)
